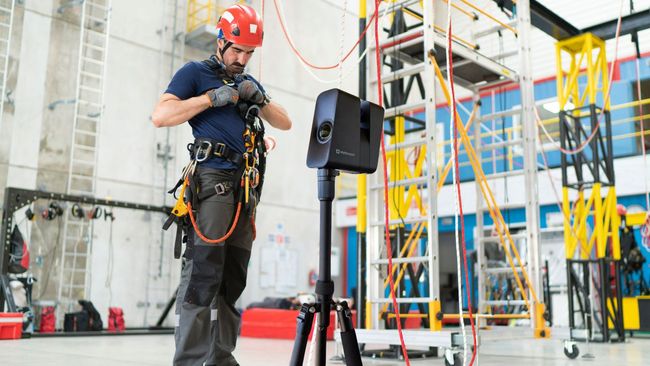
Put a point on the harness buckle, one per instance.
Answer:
(220, 188)
(219, 149)
(203, 151)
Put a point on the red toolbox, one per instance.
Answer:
(11, 325)
(276, 323)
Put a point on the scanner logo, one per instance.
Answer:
(345, 153)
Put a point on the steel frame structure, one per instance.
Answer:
(414, 52)
(586, 130)
(16, 198)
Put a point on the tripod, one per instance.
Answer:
(325, 290)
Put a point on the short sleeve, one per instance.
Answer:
(184, 82)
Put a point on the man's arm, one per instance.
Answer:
(276, 116)
(171, 111)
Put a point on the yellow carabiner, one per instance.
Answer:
(180, 208)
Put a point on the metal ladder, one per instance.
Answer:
(6, 27)
(74, 265)
(474, 69)
(420, 247)
(519, 142)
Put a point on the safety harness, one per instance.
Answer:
(247, 181)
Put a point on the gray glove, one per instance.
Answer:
(222, 96)
(249, 91)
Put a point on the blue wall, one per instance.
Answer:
(446, 225)
(622, 92)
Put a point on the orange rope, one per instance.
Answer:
(223, 238)
(205, 238)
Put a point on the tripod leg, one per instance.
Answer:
(348, 336)
(305, 321)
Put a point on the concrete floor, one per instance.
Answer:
(158, 349)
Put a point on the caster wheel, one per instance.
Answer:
(571, 351)
(452, 358)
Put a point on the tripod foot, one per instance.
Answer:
(348, 335)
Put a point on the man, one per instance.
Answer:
(216, 97)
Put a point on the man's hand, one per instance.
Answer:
(223, 96)
(249, 91)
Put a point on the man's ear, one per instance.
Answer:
(220, 44)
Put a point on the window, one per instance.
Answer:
(549, 113)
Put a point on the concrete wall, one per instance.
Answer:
(132, 263)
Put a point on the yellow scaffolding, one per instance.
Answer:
(586, 59)
(201, 12)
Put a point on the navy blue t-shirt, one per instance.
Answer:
(223, 124)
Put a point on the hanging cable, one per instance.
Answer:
(458, 201)
(607, 97)
(110, 264)
(308, 69)
(389, 250)
(303, 59)
(342, 41)
(397, 153)
(454, 163)
(645, 228)
(643, 137)
(506, 155)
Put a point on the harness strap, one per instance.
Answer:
(203, 149)
(220, 189)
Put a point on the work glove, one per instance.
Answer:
(223, 96)
(249, 91)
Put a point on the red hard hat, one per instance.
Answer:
(241, 25)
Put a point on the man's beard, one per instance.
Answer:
(235, 68)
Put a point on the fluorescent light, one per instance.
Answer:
(554, 107)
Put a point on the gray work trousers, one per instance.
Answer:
(212, 279)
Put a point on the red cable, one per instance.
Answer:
(389, 249)
(468, 286)
(304, 60)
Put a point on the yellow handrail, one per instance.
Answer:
(201, 12)
(504, 25)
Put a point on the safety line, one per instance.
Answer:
(389, 249)
(458, 200)
(303, 59)
(643, 147)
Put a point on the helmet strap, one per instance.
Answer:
(224, 49)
